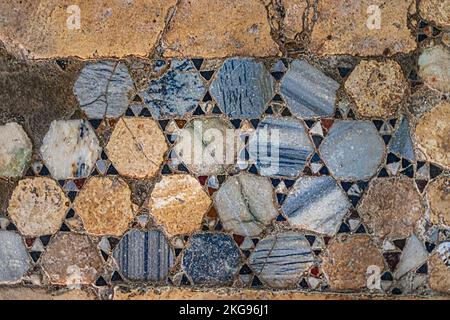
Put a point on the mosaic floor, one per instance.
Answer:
(99, 194)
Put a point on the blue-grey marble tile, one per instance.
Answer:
(211, 258)
(144, 255)
(177, 92)
(243, 87)
(308, 91)
(353, 150)
(401, 142)
(14, 259)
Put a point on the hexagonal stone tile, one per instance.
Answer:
(353, 150)
(438, 195)
(104, 204)
(347, 259)
(391, 207)
(205, 147)
(211, 259)
(245, 204)
(14, 259)
(72, 259)
(15, 150)
(243, 87)
(70, 149)
(280, 260)
(308, 91)
(377, 88)
(176, 93)
(103, 88)
(144, 255)
(434, 64)
(137, 147)
(280, 147)
(317, 204)
(439, 268)
(178, 202)
(38, 206)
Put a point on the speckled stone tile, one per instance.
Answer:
(434, 64)
(436, 11)
(414, 254)
(14, 259)
(438, 195)
(439, 268)
(15, 150)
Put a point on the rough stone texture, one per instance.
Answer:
(211, 258)
(178, 202)
(293, 17)
(432, 132)
(244, 204)
(201, 29)
(70, 149)
(15, 150)
(38, 206)
(317, 204)
(438, 194)
(347, 259)
(341, 28)
(352, 150)
(14, 259)
(434, 66)
(437, 11)
(391, 207)
(377, 88)
(36, 293)
(243, 87)
(137, 147)
(102, 89)
(439, 266)
(281, 259)
(308, 91)
(71, 259)
(413, 256)
(104, 205)
(144, 255)
(108, 28)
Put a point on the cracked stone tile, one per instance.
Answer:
(317, 204)
(175, 93)
(401, 142)
(15, 150)
(308, 91)
(103, 89)
(201, 29)
(71, 259)
(104, 204)
(211, 259)
(353, 150)
(413, 256)
(438, 195)
(391, 207)
(109, 29)
(178, 202)
(439, 268)
(38, 206)
(280, 147)
(280, 260)
(342, 28)
(70, 149)
(144, 255)
(14, 259)
(243, 87)
(432, 132)
(245, 204)
(137, 147)
(347, 259)
(434, 64)
(437, 11)
(377, 88)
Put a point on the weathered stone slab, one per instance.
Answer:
(14, 259)
(434, 66)
(15, 150)
(438, 194)
(437, 11)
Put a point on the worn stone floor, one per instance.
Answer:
(99, 198)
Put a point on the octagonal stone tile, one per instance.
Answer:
(177, 92)
(14, 259)
(144, 255)
(242, 88)
(353, 150)
(280, 260)
(15, 150)
(137, 147)
(317, 204)
(104, 204)
(70, 149)
(102, 89)
(178, 202)
(211, 259)
(245, 204)
(38, 206)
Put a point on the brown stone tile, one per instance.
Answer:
(440, 270)
(438, 194)
(437, 11)
(38, 293)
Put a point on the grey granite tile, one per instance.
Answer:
(401, 142)
(14, 259)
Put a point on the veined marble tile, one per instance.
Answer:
(15, 150)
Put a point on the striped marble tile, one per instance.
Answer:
(145, 256)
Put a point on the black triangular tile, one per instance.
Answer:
(197, 63)
(207, 75)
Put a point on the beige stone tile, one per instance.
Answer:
(438, 194)
(437, 11)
